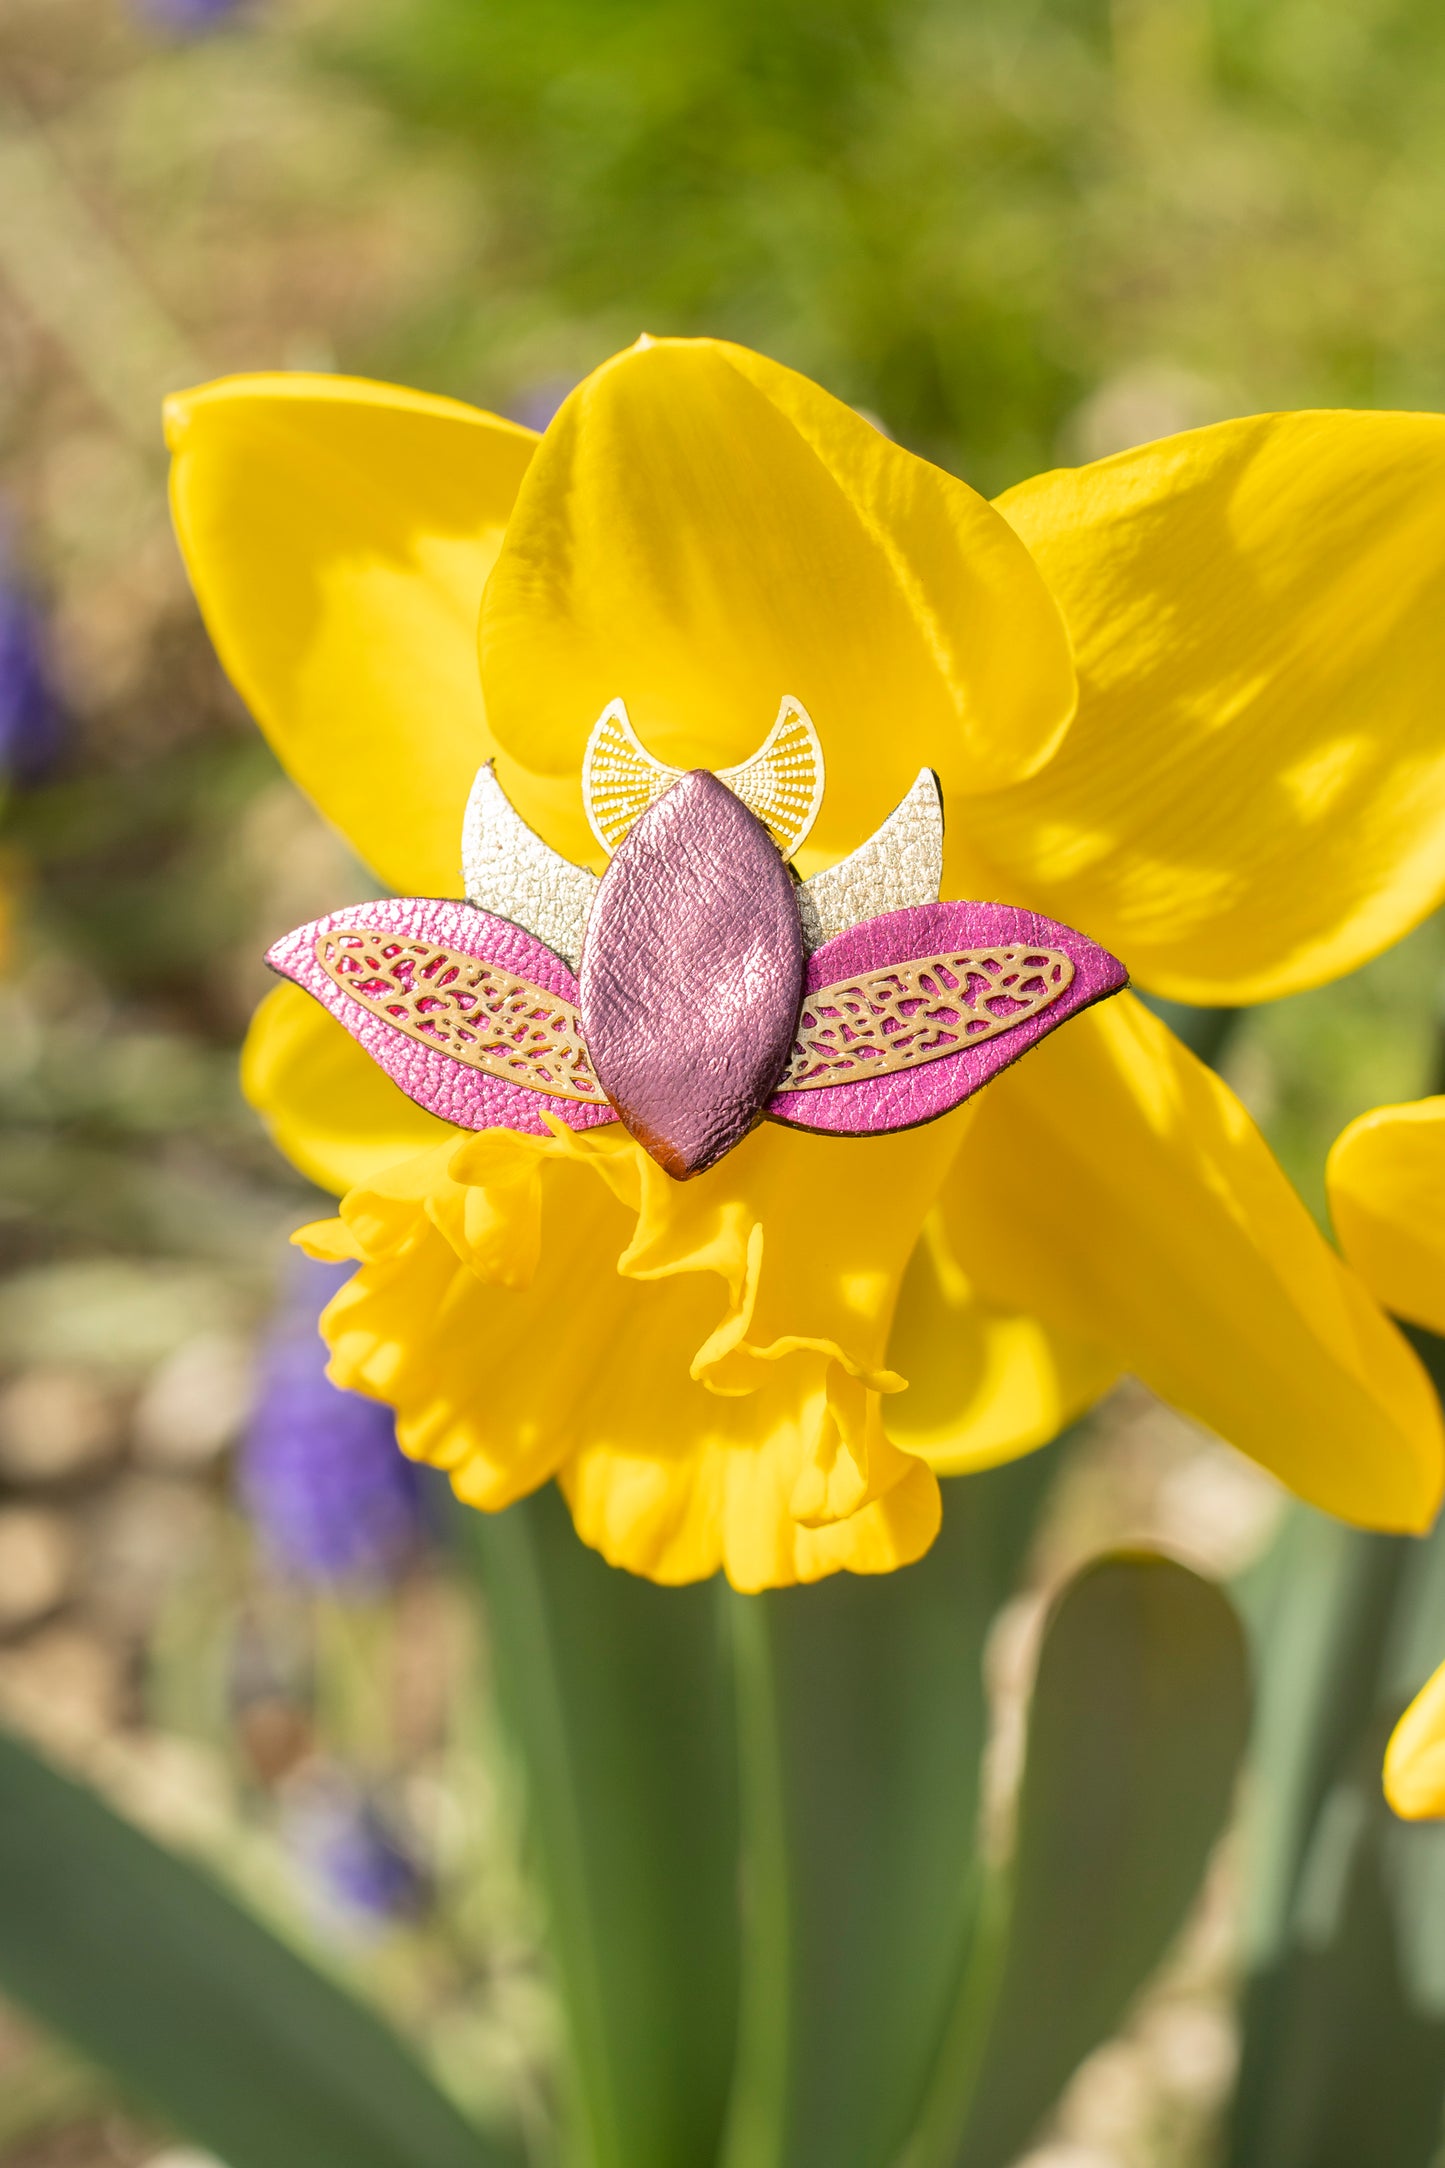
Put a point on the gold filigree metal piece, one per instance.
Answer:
(461, 1006)
(906, 1014)
(900, 864)
(782, 783)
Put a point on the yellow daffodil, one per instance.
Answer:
(1183, 700)
(1387, 1197)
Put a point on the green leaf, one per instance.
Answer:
(619, 1695)
(1354, 2034)
(1343, 2016)
(141, 1960)
(863, 1723)
(1136, 1727)
(1320, 1608)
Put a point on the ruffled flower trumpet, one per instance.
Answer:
(661, 1163)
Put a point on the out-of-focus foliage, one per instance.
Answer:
(1343, 2004)
(972, 219)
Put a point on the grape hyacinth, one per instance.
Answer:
(322, 1478)
(188, 17)
(30, 718)
(358, 1874)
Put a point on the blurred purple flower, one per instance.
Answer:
(30, 716)
(188, 17)
(536, 407)
(321, 1475)
(358, 1873)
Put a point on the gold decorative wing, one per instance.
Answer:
(473, 1011)
(620, 778)
(910, 1013)
(782, 783)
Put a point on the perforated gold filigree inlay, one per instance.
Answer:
(474, 1011)
(782, 783)
(910, 1013)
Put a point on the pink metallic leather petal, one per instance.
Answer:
(435, 1079)
(692, 974)
(899, 1100)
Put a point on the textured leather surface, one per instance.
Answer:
(436, 1080)
(508, 869)
(925, 1009)
(692, 974)
(873, 1105)
(900, 864)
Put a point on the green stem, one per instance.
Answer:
(618, 1695)
(757, 2118)
(862, 1723)
(934, 2143)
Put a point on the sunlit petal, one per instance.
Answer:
(1387, 1198)
(329, 1108)
(702, 533)
(1252, 796)
(338, 535)
(1115, 1186)
(985, 1382)
(1415, 1757)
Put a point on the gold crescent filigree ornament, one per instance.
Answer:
(781, 783)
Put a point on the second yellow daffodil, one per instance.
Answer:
(1387, 1197)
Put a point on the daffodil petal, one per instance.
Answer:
(1116, 1187)
(986, 1382)
(338, 535)
(1252, 795)
(1386, 1177)
(1415, 1756)
(337, 1117)
(703, 533)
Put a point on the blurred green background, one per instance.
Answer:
(1016, 233)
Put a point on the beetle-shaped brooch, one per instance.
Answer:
(698, 986)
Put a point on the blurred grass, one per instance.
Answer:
(1014, 232)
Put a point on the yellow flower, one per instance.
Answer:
(1387, 1197)
(1182, 700)
(1386, 1177)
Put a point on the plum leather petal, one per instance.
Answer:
(898, 1100)
(692, 974)
(436, 1080)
